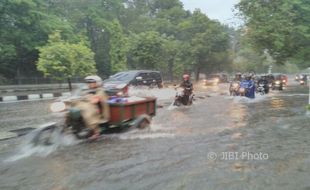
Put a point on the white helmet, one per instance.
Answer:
(94, 78)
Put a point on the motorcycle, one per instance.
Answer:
(261, 88)
(243, 88)
(136, 113)
(303, 82)
(234, 88)
(183, 97)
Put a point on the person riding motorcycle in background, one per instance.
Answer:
(264, 80)
(94, 108)
(238, 77)
(250, 92)
(186, 84)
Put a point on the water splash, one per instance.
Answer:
(27, 147)
(160, 94)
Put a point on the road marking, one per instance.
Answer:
(9, 98)
(47, 96)
(33, 96)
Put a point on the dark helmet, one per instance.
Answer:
(248, 77)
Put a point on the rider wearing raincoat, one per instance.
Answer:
(250, 87)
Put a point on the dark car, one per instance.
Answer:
(118, 84)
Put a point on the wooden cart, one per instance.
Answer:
(128, 114)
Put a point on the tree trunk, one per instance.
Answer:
(197, 73)
(170, 69)
(69, 83)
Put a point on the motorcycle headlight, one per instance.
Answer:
(277, 82)
(284, 81)
(235, 85)
(58, 107)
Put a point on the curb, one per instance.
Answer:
(33, 97)
(28, 90)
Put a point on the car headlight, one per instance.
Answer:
(277, 82)
(284, 81)
(58, 107)
(120, 86)
(216, 80)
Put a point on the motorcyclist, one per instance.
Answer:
(95, 109)
(238, 77)
(186, 84)
(250, 92)
(264, 80)
(304, 78)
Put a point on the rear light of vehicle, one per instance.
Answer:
(125, 90)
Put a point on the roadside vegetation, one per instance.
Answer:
(107, 36)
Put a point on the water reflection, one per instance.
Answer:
(277, 103)
(238, 113)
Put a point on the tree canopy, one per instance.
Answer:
(63, 60)
(150, 34)
(280, 27)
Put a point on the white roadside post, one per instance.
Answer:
(309, 87)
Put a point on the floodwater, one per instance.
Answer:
(220, 142)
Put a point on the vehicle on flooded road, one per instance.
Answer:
(184, 96)
(124, 113)
(119, 83)
(303, 79)
(215, 79)
(279, 82)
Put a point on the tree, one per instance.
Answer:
(145, 50)
(279, 26)
(62, 60)
(25, 24)
(208, 43)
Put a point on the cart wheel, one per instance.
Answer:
(142, 122)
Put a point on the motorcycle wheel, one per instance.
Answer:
(176, 103)
(44, 136)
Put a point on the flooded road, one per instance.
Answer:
(218, 143)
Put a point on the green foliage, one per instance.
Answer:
(135, 34)
(282, 27)
(61, 60)
(145, 50)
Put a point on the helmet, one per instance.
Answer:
(248, 77)
(93, 79)
(185, 77)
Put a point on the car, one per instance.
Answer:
(118, 83)
(280, 80)
(214, 79)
